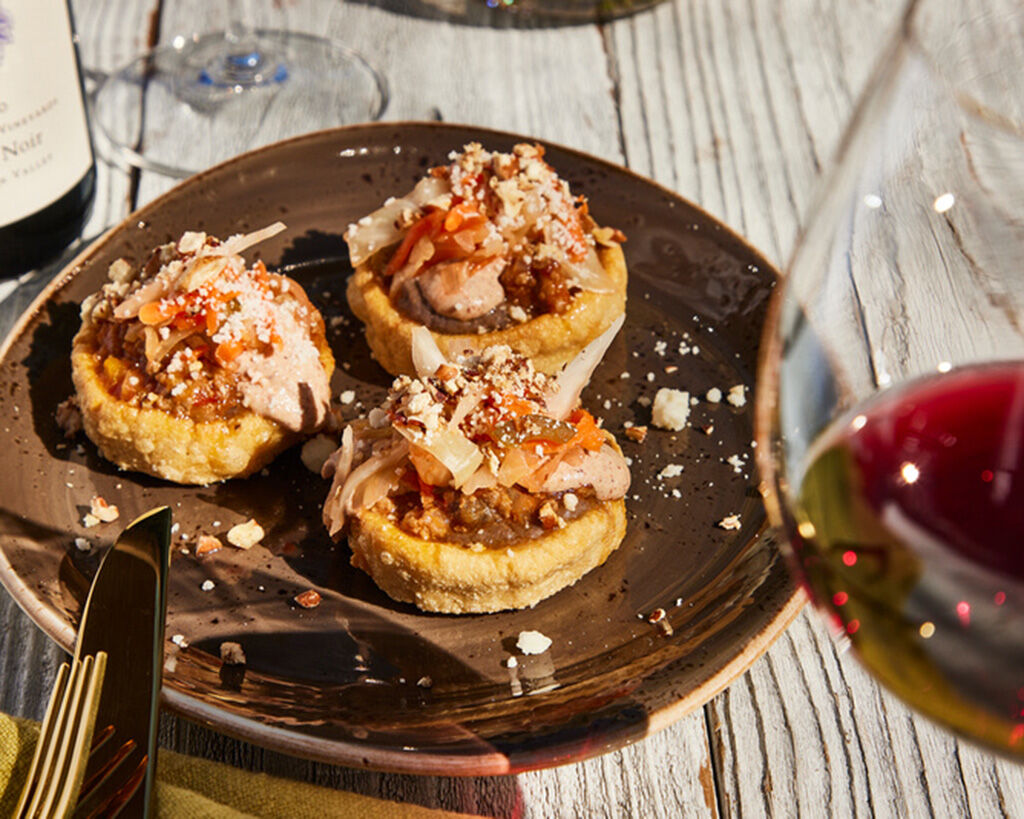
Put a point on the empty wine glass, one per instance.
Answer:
(891, 402)
(203, 98)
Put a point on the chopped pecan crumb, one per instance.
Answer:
(309, 599)
(208, 544)
(446, 372)
(638, 434)
(549, 517)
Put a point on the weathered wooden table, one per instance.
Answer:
(737, 105)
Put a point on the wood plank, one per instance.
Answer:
(739, 106)
(501, 77)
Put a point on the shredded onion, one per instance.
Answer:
(569, 383)
(421, 252)
(481, 479)
(200, 269)
(534, 481)
(517, 464)
(340, 461)
(163, 346)
(340, 500)
(152, 342)
(380, 229)
(156, 288)
(427, 357)
(453, 449)
(243, 241)
(467, 403)
(374, 488)
(591, 275)
(430, 470)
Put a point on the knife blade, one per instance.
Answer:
(124, 616)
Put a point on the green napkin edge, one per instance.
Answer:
(188, 787)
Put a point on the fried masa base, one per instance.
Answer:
(176, 449)
(453, 579)
(550, 340)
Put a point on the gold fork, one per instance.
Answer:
(62, 750)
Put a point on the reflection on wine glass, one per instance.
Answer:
(891, 403)
(185, 106)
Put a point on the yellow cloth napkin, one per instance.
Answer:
(188, 787)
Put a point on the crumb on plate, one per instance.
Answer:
(245, 535)
(671, 409)
(232, 653)
(533, 642)
(309, 599)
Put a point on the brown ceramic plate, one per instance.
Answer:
(345, 682)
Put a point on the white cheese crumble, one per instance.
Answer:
(533, 642)
(714, 395)
(737, 395)
(671, 471)
(671, 409)
(207, 585)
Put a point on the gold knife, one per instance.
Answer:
(124, 616)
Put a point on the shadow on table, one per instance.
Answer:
(498, 796)
(541, 14)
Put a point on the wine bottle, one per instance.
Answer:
(47, 166)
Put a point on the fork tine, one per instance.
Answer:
(46, 732)
(79, 744)
(62, 774)
(67, 730)
(53, 749)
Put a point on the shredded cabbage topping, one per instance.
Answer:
(481, 422)
(480, 211)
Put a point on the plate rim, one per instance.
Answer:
(339, 751)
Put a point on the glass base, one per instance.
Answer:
(184, 107)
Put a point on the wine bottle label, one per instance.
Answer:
(44, 134)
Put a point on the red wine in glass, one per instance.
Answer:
(907, 527)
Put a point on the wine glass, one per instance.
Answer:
(204, 98)
(890, 411)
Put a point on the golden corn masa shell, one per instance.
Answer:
(550, 340)
(451, 578)
(177, 449)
